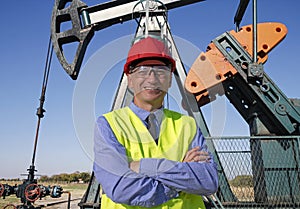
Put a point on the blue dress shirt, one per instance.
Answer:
(158, 180)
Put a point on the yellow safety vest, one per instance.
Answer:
(176, 133)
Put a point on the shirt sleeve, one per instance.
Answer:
(118, 181)
(191, 177)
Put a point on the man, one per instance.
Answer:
(167, 168)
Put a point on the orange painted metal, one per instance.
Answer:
(211, 68)
(269, 34)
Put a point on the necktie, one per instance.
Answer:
(152, 126)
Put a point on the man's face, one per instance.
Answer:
(150, 84)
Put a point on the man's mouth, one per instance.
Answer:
(152, 88)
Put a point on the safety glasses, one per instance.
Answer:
(160, 71)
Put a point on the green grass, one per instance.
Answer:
(68, 187)
(9, 200)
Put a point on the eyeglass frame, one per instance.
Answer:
(145, 70)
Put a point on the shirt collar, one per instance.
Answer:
(143, 114)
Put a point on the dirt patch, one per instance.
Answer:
(62, 202)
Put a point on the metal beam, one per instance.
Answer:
(86, 20)
(240, 12)
(120, 11)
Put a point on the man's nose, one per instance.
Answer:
(152, 74)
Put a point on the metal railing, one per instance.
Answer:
(262, 172)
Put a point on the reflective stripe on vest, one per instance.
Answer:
(176, 133)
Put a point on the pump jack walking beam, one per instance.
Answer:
(86, 20)
(226, 68)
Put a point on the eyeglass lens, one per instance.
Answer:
(145, 71)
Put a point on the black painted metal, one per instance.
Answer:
(82, 34)
(77, 34)
(265, 108)
(240, 12)
(254, 98)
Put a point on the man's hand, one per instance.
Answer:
(135, 166)
(196, 155)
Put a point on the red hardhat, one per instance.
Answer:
(148, 49)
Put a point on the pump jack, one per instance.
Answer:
(228, 67)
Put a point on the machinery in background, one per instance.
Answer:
(232, 65)
(30, 191)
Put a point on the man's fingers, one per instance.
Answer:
(203, 157)
(197, 155)
(191, 154)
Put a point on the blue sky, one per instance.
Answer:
(62, 145)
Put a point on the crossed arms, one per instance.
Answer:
(150, 181)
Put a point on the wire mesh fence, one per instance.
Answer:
(257, 172)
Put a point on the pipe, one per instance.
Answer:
(69, 198)
(254, 7)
